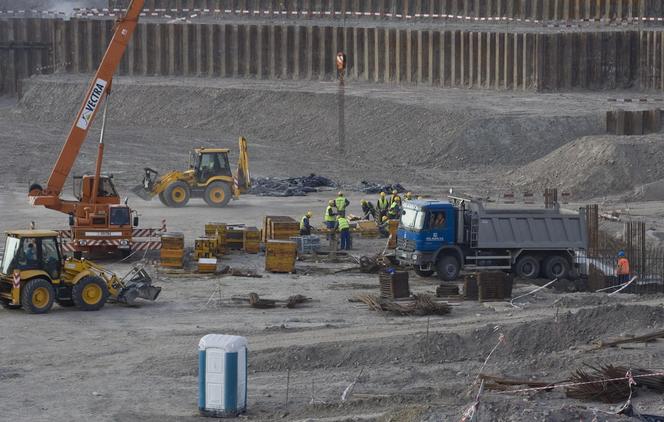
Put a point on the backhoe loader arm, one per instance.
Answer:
(99, 87)
(243, 177)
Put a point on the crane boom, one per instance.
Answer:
(99, 86)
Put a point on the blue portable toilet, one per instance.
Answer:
(222, 375)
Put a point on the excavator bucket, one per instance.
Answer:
(137, 284)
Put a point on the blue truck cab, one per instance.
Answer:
(426, 229)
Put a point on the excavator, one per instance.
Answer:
(209, 177)
(99, 220)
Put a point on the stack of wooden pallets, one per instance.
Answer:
(172, 250)
(470, 287)
(493, 285)
(394, 285)
(280, 256)
(206, 247)
(252, 240)
(234, 239)
(218, 231)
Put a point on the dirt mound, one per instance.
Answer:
(523, 341)
(295, 125)
(596, 166)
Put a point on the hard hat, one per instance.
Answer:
(309, 214)
(621, 253)
(408, 195)
(398, 199)
(330, 202)
(341, 194)
(363, 202)
(419, 197)
(394, 192)
(382, 194)
(385, 218)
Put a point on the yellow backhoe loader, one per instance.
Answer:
(209, 177)
(34, 274)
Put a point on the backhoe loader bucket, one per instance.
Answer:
(144, 190)
(137, 284)
(142, 193)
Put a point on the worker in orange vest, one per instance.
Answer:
(622, 269)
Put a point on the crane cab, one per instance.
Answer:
(106, 194)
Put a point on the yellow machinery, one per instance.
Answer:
(209, 177)
(34, 274)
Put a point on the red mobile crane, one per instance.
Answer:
(98, 219)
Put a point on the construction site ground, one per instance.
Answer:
(136, 363)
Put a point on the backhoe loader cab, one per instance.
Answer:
(34, 274)
(209, 162)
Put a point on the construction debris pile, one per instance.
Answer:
(292, 186)
(370, 187)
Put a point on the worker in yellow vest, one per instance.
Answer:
(395, 197)
(395, 210)
(341, 203)
(343, 227)
(382, 205)
(330, 216)
(305, 224)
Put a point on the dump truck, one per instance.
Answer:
(446, 237)
(34, 274)
(209, 176)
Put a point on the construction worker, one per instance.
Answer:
(329, 217)
(395, 197)
(341, 203)
(394, 213)
(622, 269)
(382, 205)
(368, 210)
(384, 227)
(343, 227)
(408, 196)
(305, 224)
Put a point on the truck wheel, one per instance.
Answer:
(177, 194)
(556, 267)
(90, 293)
(448, 268)
(423, 273)
(37, 296)
(163, 199)
(527, 267)
(218, 194)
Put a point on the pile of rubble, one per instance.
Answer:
(292, 186)
(370, 187)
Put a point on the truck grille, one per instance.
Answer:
(406, 245)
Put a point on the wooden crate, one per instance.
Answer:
(251, 240)
(280, 256)
(172, 240)
(368, 229)
(393, 226)
(211, 229)
(267, 225)
(279, 228)
(171, 253)
(207, 265)
(394, 286)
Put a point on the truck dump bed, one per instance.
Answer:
(523, 228)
